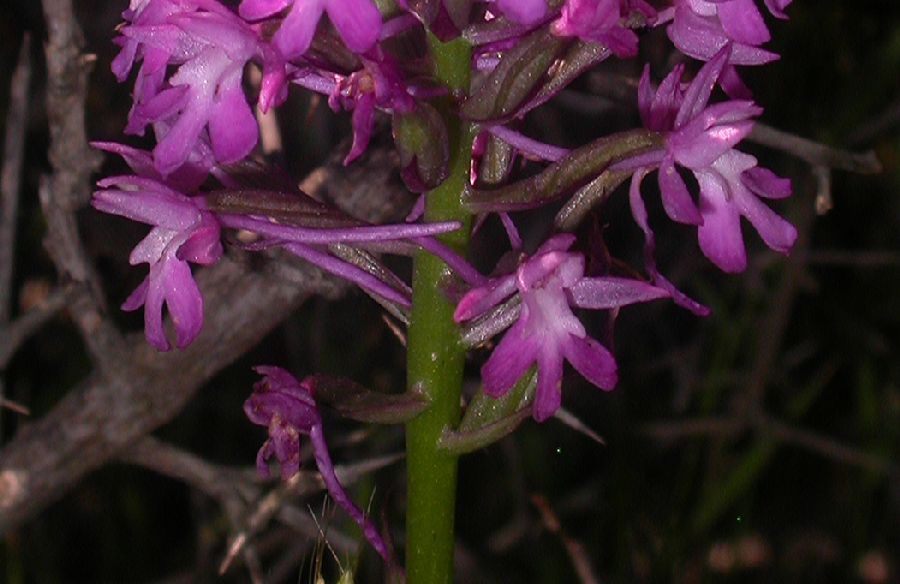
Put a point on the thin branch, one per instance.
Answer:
(303, 483)
(815, 153)
(106, 414)
(229, 487)
(68, 187)
(102, 417)
(578, 555)
(732, 427)
(828, 447)
(880, 125)
(11, 174)
(226, 485)
(18, 331)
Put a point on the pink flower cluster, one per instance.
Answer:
(191, 56)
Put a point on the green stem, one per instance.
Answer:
(435, 355)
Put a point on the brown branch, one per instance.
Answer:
(732, 427)
(68, 187)
(18, 331)
(106, 414)
(10, 184)
(578, 555)
(11, 173)
(135, 389)
(815, 153)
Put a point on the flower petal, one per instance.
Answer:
(357, 21)
(232, 127)
(183, 299)
(766, 183)
(676, 199)
(720, 234)
(610, 292)
(510, 360)
(593, 361)
(298, 28)
(548, 396)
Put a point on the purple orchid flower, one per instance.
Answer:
(601, 22)
(210, 45)
(182, 232)
(357, 21)
(701, 138)
(288, 409)
(547, 333)
(378, 85)
(701, 28)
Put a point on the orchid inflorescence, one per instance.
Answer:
(199, 180)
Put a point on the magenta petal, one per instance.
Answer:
(593, 361)
(481, 299)
(677, 201)
(357, 21)
(548, 395)
(774, 230)
(510, 360)
(153, 305)
(137, 297)
(204, 246)
(173, 150)
(698, 149)
(151, 248)
(720, 234)
(298, 28)
(257, 9)
(183, 300)
(232, 126)
(148, 207)
(766, 183)
(609, 293)
(743, 23)
(363, 118)
(776, 7)
(697, 95)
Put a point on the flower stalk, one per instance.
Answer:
(435, 355)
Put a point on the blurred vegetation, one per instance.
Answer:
(797, 348)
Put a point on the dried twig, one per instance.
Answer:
(19, 330)
(815, 153)
(68, 187)
(10, 183)
(303, 483)
(11, 174)
(576, 551)
(732, 427)
(883, 123)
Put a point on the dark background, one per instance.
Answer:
(698, 480)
